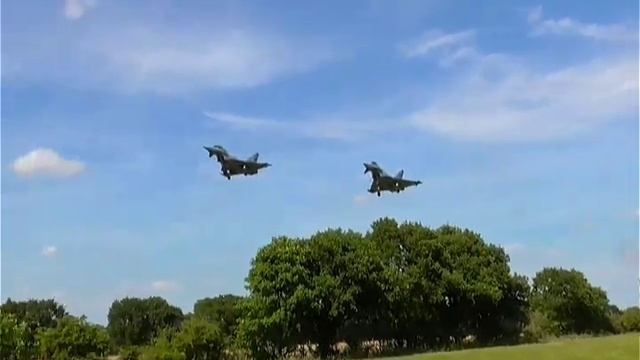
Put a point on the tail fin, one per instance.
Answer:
(400, 174)
(253, 158)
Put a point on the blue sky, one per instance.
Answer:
(520, 118)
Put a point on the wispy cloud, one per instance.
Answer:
(162, 58)
(43, 162)
(175, 62)
(76, 9)
(448, 47)
(566, 26)
(328, 128)
(49, 251)
(502, 99)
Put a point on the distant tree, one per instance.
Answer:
(567, 299)
(13, 338)
(35, 313)
(73, 338)
(135, 321)
(222, 310)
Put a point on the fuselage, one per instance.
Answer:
(381, 181)
(236, 167)
(230, 165)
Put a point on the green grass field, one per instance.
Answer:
(621, 347)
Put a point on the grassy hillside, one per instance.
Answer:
(621, 347)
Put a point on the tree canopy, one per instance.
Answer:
(567, 299)
(134, 321)
(396, 287)
(405, 283)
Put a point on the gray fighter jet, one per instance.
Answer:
(232, 166)
(385, 182)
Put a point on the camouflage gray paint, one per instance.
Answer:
(230, 165)
(381, 181)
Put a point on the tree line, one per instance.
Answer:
(398, 287)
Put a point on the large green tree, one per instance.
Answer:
(135, 321)
(446, 283)
(268, 327)
(570, 302)
(345, 284)
(405, 283)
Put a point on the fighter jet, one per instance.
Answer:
(385, 182)
(232, 166)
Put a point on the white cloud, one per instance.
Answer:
(164, 286)
(504, 100)
(46, 162)
(326, 128)
(448, 47)
(49, 251)
(615, 33)
(76, 9)
(497, 98)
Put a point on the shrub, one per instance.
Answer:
(539, 328)
(73, 338)
(630, 319)
(129, 353)
(162, 349)
(199, 339)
